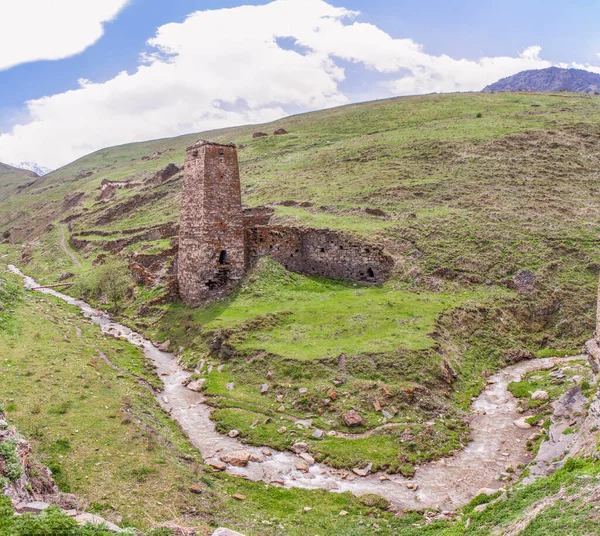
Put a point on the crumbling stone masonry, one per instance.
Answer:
(219, 241)
(319, 252)
(211, 237)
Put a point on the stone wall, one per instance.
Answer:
(211, 239)
(320, 252)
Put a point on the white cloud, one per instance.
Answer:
(226, 67)
(32, 30)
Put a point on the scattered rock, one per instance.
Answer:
(281, 409)
(230, 386)
(302, 466)
(233, 433)
(255, 458)
(522, 424)
(196, 385)
(352, 418)
(238, 496)
(281, 132)
(91, 519)
(226, 532)
(365, 471)
(217, 465)
(480, 508)
(282, 430)
(299, 448)
(412, 485)
(267, 452)
(303, 390)
(66, 275)
(259, 135)
(164, 347)
(36, 507)
(307, 508)
(540, 395)
(387, 414)
(318, 434)
(307, 458)
(343, 513)
(264, 388)
(196, 489)
(239, 458)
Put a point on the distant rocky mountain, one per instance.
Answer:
(32, 166)
(550, 79)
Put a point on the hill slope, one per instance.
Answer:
(550, 79)
(489, 206)
(11, 179)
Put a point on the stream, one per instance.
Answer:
(446, 484)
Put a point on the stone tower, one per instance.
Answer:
(211, 236)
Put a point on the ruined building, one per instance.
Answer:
(219, 241)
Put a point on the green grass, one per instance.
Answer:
(309, 317)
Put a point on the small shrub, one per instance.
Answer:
(479, 115)
(8, 451)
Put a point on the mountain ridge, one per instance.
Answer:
(549, 79)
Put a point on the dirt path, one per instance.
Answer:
(447, 484)
(63, 246)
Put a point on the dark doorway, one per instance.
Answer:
(223, 258)
(370, 273)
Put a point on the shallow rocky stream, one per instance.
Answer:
(447, 484)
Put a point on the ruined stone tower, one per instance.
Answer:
(211, 236)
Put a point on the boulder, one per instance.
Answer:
(540, 395)
(352, 418)
(239, 458)
(259, 135)
(233, 433)
(299, 448)
(281, 132)
(164, 347)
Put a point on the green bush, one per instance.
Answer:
(109, 281)
(12, 469)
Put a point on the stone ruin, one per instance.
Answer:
(219, 241)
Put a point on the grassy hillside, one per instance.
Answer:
(490, 211)
(12, 178)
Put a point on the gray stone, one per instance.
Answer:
(196, 385)
(226, 532)
(264, 388)
(520, 423)
(365, 471)
(318, 434)
(299, 448)
(540, 395)
(230, 386)
(36, 507)
(91, 519)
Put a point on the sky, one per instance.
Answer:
(80, 75)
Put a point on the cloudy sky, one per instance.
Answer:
(79, 75)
